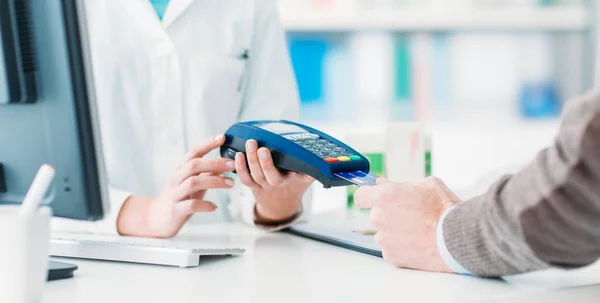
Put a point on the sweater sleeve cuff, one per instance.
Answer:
(443, 249)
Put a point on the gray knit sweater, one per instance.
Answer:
(547, 215)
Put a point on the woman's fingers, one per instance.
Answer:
(255, 169)
(190, 207)
(260, 170)
(205, 147)
(242, 171)
(195, 184)
(271, 173)
(196, 167)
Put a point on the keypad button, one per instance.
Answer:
(331, 160)
(355, 158)
(344, 159)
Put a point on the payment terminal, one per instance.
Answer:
(299, 148)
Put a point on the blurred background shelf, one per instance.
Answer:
(488, 79)
(545, 19)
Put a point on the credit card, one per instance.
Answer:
(360, 178)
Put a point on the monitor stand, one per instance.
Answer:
(59, 270)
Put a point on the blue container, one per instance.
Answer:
(307, 58)
(539, 100)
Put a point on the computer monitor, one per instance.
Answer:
(47, 107)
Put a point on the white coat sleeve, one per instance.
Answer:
(271, 93)
(108, 225)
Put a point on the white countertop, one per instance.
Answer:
(284, 268)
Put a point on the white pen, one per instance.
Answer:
(37, 191)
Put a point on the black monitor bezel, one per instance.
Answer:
(81, 97)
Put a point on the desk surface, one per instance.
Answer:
(284, 268)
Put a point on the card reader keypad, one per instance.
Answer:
(327, 150)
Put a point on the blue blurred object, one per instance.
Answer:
(547, 2)
(403, 70)
(539, 100)
(402, 106)
(338, 80)
(160, 6)
(307, 58)
(442, 61)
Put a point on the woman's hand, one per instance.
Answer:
(183, 196)
(278, 196)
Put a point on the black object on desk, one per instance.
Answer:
(59, 270)
(2, 180)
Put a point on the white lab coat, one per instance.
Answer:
(164, 86)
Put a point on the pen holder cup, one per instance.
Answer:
(23, 254)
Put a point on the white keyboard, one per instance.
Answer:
(135, 250)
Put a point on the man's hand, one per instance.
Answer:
(278, 196)
(405, 216)
(183, 196)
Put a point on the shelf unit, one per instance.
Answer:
(468, 153)
(548, 19)
(574, 28)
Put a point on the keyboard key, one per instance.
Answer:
(344, 159)
(331, 160)
(355, 158)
